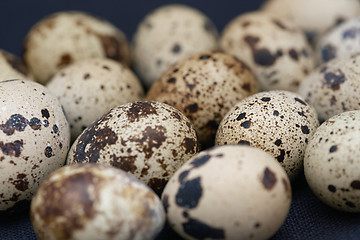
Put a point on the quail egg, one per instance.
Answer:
(278, 122)
(228, 192)
(11, 67)
(168, 34)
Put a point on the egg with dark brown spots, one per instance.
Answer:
(11, 67)
(228, 192)
(332, 162)
(333, 87)
(341, 41)
(314, 17)
(34, 140)
(95, 202)
(204, 87)
(274, 48)
(90, 88)
(65, 37)
(149, 139)
(278, 122)
(167, 35)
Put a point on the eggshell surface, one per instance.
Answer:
(90, 88)
(66, 37)
(11, 67)
(148, 139)
(228, 192)
(167, 35)
(332, 162)
(95, 202)
(278, 122)
(34, 139)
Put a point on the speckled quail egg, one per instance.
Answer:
(343, 40)
(11, 67)
(148, 139)
(332, 162)
(315, 17)
(95, 202)
(168, 34)
(34, 139)
(65, 37)
(90, 88)
(276, 50)
(278, 122)
(333, 87)
(205, 86)
(228, 192)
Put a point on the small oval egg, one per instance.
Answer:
(34, 139)
(65, 37)
(343, 40)
(168, 34)
(332, 162)
(228, 192)
(95, 202)
(278, 122)
(314, 17)
(90, 88)
(204, 87)
(275, 49)
(148, 139)
(11, 67)
(333, 87)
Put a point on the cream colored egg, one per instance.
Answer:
(34, 139)
(95, 202)
(332, 162)
(228, 192)
(168, 34)
(69, 36)
(275, 49)
(90, 88)
(11, 67)
(148, 139)
(333, 87)
(278, 122)
(204, 87)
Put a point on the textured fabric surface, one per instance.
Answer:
(308, 219)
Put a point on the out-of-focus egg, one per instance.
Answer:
(274, 48)
(278, 122)
(90, 88)
(314, 17)
(168, 34)
(34, 139)
(204, 87)
(334, 87)
(332, 162)
(148, 139)
(95, 202)
(66, 37)
(228, 192)
(11, 67)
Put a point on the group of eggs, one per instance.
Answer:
(257, 93)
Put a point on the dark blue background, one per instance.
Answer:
(308, 217)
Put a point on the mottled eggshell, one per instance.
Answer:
(11, 67)
(278, 122)
(34, 139)
(148, 139)
(344, 40)
(334, 87)
(95, 202)
(314, 17)
(90, 88)
(276, 50)
(332, 162)
(205, 86)
(168, 34)
(228, 192)
(65, 37)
